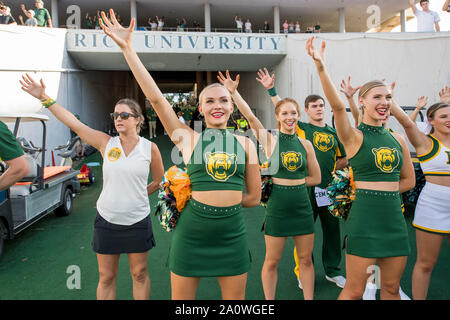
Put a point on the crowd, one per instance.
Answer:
(427, 20)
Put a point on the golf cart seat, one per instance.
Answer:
(23, 188)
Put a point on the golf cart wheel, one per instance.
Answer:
(91, 177)
(3, 233)
(67, 203)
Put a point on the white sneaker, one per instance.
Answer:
(370, 292)
(403, 295)
(299, 284)
(339, 280)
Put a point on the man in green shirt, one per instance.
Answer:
(41, 14)
(331, 156)
(11, 153)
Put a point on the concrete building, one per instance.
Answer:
(86, 72)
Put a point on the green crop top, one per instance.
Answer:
(291, 158)
(217, 162)
(379, 157)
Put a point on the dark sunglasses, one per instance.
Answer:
(122, 115)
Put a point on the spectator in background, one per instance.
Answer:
(427, 20)
(285, 26)
(196, 26)
(248, 26)
(6, 17)
(89, 21)
(446, 6)
(119, 19)
(152, 24)
(266, 27)
(160, 22)
(31, 22)
(181, 24)
(317, 27)
(41, 14)
(239, 23)
(291, 27)
(297, 27)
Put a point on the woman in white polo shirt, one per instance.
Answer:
(122, 224)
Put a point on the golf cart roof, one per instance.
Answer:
(24, 117)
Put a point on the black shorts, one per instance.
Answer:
(112, 238)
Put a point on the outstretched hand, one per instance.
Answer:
(444, 95)
(121, 36)
(230, 84)
(30, 86)
(265, 79)
(347, 88)
(318, 57)
(421, 102)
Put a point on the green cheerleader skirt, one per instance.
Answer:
(375, 227)
(288, 212)
(209, 242)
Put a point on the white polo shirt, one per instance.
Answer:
(124, 199)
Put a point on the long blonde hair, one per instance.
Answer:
(363, 92)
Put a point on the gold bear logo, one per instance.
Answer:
(323, 141)
(292, 160)
(220, 165)
(386, 159)
(114, 154)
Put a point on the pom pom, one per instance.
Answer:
(341, 192)
(174, 192)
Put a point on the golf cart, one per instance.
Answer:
(42, 191)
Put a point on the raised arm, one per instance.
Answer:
(418, 139)
(264, 137)
(268, 82)
(421, 102)
(349, 92)
(123, 38)
(95, 138)
(346, 133)
(413, 6)
(445, 6)
(25, 11)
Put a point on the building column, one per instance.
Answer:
(133, 12)
(403, 21)
(276, 19)
(55, 21)
(341, 20)
(208, 78)
(207, 9)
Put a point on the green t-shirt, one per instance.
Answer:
(42, 15)
(151, 114)
(9, 147)
(326, 146)
(187, 114)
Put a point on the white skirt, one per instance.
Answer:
(433, 209)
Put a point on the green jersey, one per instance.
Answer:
(9, 147)
(327, 148)
(42, 15)
(151, 114)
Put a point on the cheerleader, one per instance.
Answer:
(432, 214)
(376, 231)
(288, 212)
(210, 237)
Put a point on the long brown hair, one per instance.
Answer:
(432, 110)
